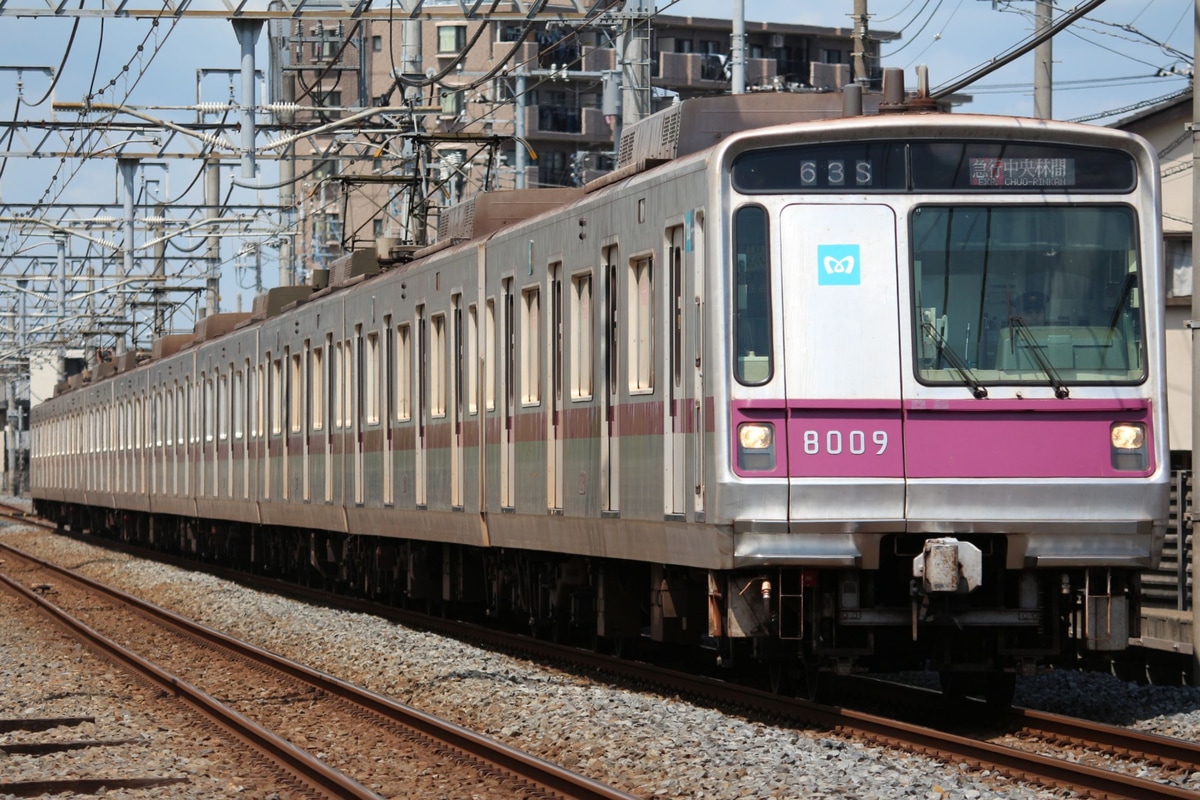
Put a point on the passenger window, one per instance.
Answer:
(437, 366)
(641, 325)
(531, 329)
(403, 374)
(581, 337)
(371, 379)
(752, 296)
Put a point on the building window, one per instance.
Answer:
(452, 103)
(712, 67)
(377, 228)
(832, 56)
(452, 38)
(327, 98)
(377, 44)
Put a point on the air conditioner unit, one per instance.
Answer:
(776, 40)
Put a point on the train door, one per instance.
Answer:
(422, 407)
(247, 426)
(389, 410)
(677, 409)
(328, 420)
(554, 421)
(699, 338)
(456, 402)
(306, 368)
(610, 444)
(508, 347)
(357, 399)
(840, 331)
(267, 381)
(241, 431)
(287, 391)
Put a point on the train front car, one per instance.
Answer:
(946, 431)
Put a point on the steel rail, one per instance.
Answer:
(302, 764)
(530, 768)
(1013, 762)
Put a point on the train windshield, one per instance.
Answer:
(1034, 294)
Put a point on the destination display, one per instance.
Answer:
(933, 166)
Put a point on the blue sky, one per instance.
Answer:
(953, 37)
(1102, 64)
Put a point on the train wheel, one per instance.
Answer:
(994, 688)
(781, 677)
(818, 684)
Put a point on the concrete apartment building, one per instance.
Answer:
(474, 86)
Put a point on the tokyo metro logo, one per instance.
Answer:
(838, 265)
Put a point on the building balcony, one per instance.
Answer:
(699, 71)
(584, 125)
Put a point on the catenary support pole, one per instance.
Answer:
(1193, 324)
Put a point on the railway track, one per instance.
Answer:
(1154, 757)
(59, 784)
(392, 745)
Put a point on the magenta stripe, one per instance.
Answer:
(1040, 405)
(945, 439)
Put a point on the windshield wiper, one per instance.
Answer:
(1035, 349)
(956, 361)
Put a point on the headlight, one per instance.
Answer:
(1128, 437)
(1129, 453)
(756, 435)
(756, 446)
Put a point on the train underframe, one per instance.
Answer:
(795, 627)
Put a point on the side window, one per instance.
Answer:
(223, 406)
(531, 347)
(276, 396)
(489, 356)
(403, 373)
(210, 409)
(472, 365)
(295, 393)
(339, 396)
(437, 365)
(316, 389)
(641, 325)
(371, 378)
(581, 336)
(752, 296)
(239, 404)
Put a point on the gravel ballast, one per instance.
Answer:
(645, 744)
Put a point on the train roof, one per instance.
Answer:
(685, 129)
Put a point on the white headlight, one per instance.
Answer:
(756, 435)
(1128, 436)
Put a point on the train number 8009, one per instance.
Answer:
(835, 443)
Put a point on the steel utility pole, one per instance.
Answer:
(861, 76)
(635, 64)
(1043, 65)
(1193, 323)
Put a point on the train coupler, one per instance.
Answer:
(948, 566)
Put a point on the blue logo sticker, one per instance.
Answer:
(838, 265)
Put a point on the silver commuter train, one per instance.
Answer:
(870, 392)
